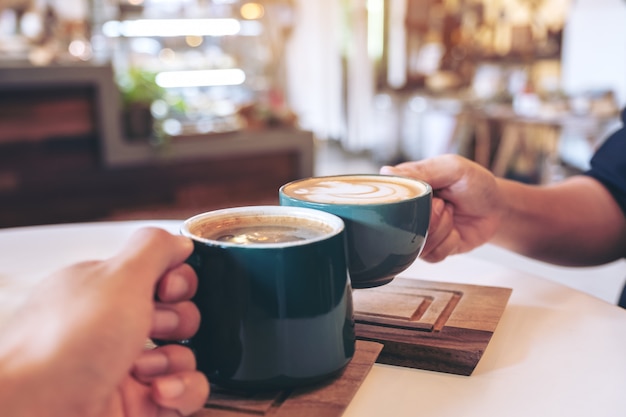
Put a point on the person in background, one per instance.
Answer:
(77, 346)
(580, 221)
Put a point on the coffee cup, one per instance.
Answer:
(274, 296)
(386, 218)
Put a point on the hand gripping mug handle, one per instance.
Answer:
(195, 262)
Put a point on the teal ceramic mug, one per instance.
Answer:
(274, 296)
(386, 217)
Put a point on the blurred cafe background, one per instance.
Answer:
(131, 109)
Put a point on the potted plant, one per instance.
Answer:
(139, 90)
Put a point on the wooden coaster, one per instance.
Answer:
(328, 399)
(430, 325)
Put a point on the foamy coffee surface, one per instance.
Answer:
(355, 189)
(254, 230)
(266, 234)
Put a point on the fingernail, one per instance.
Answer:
(152, 362)
(166, 320)
(170, 387)
(438, 206)
(177, 287)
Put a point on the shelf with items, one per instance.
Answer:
(211, 60)
(445, 42)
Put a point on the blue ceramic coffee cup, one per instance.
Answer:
(386, 217)
(274, 296)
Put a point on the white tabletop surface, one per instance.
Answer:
(557, 351)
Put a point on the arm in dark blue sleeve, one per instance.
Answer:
(608, 164)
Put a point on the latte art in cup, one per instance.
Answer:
(357, 189)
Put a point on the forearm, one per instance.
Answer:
(14, 393)
(24, 370)
(39, 369)
(33, 389)
(576, 222)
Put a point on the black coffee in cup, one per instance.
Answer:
(260, 230)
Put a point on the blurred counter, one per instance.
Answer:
(64, 157)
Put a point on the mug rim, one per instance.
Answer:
(335, 222)
(428, 190)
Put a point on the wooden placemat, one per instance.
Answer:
(328, 399)
(430, 325)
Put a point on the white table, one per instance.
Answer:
(556, 352)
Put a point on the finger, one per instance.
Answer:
(151, 252)
(439, 171)
(439, 241)
(178, 284)
(185, 392)
(448, 246)
(175, 321)
(413, 169)
(441, 225)
(389, 170)
(167, 359)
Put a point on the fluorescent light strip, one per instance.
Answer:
(200, 78)
(171, 27)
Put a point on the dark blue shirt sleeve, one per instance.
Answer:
(608, 164)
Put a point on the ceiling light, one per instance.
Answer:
(200, 78)
(171, 27)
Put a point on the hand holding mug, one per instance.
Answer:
(85, 328)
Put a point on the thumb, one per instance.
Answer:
(415, 169)
(439, 171)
